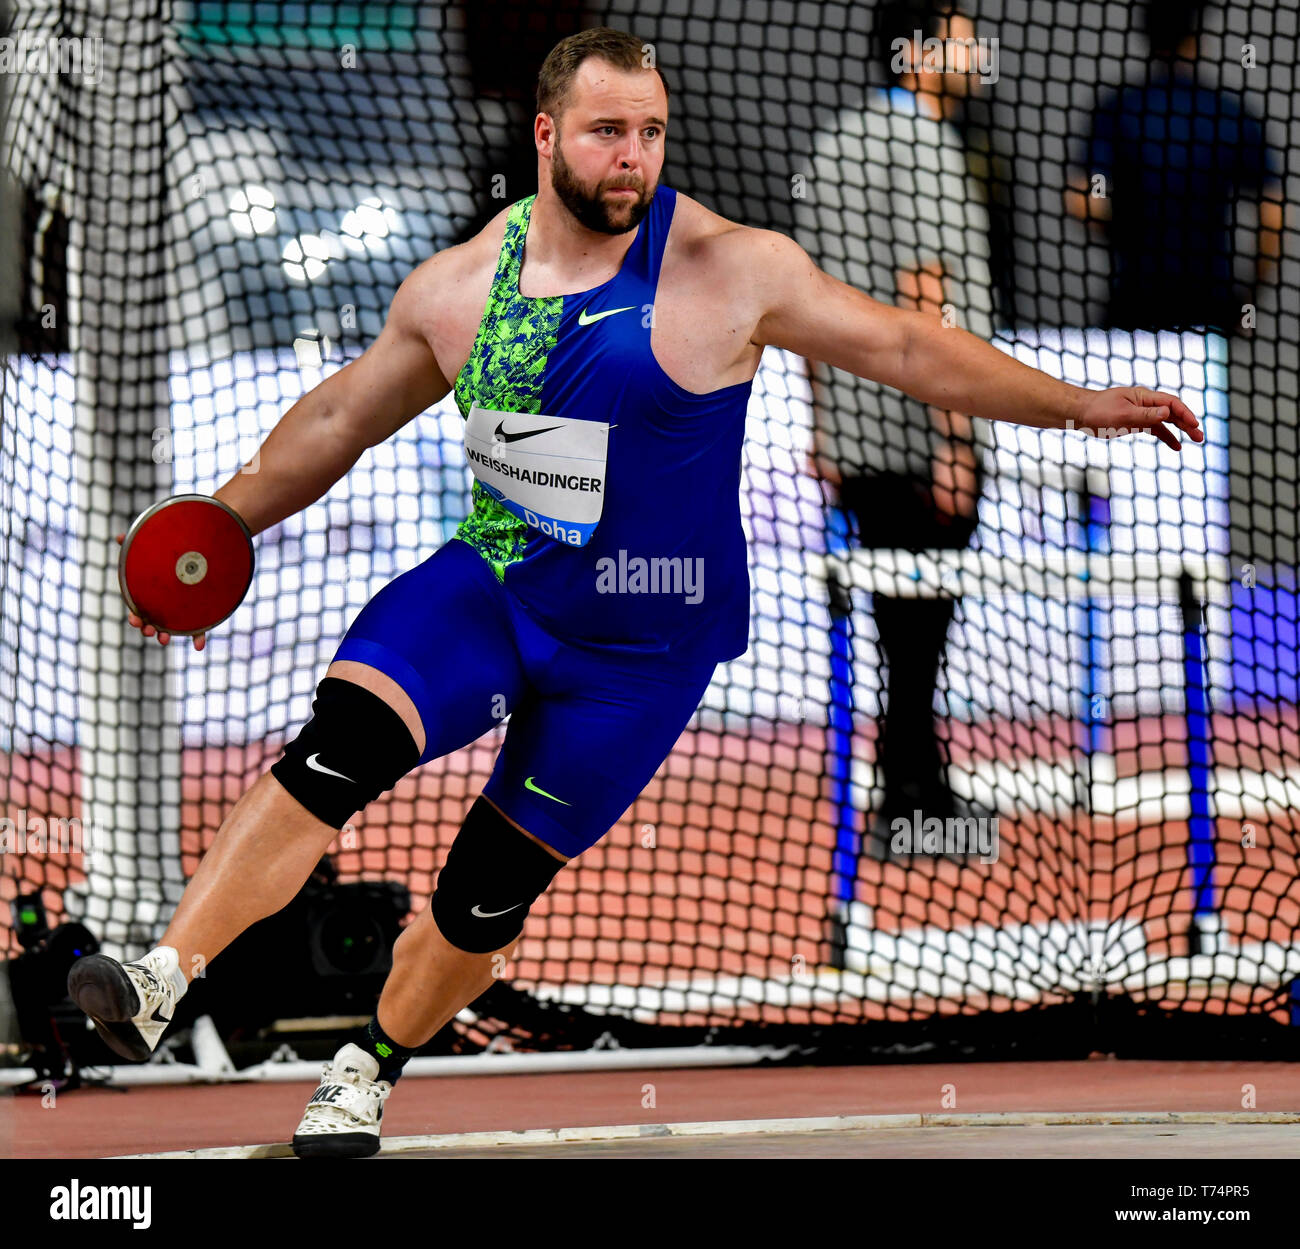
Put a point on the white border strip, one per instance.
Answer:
(766, 1127)
(486, 1064)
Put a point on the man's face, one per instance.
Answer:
(605, 163)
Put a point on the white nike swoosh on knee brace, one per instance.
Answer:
(320, 767)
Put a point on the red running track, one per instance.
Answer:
(99, 1123)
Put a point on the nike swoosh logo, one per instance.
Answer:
(501, 434)
(489, 914)
(584, 319)
(528, 784)
(320, 767)
(157, 1018)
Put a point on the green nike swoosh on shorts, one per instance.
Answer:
(528, 784)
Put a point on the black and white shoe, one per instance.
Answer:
(343, 1118)
(130, 1004)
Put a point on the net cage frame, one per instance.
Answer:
(226, 241)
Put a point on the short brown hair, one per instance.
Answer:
(621, 50)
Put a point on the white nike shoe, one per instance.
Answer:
(342, 1119)
(130, 1004)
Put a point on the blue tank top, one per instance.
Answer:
(606, 497)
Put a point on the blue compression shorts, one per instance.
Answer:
(589, 725)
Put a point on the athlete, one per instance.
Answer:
(601, 339)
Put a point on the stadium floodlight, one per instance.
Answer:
(252, 211)
(365, 227)
(306, 257)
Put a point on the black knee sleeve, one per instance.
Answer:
(353, 749)
(492, 877)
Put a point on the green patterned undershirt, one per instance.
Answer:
(505, 372)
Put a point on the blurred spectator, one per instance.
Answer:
(892, 210)
(1166, 163)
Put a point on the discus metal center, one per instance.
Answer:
(191, 568)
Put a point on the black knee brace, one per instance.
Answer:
(492, 877)
(353, 749)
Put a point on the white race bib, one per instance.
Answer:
(547, 470)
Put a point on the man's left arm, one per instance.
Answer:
(802, 309)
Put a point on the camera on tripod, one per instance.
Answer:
(327, 953)
(35, 1010)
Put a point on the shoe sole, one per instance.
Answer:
(336, 1145)
(101, 988)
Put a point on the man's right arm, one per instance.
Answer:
(322, 436)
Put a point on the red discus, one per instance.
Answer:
(186, 564)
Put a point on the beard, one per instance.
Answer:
(591, 207)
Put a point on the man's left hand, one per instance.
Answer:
(1132, 409)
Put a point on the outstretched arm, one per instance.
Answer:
(805, 310)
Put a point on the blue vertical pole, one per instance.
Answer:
(844, 866)
(1200, 841)
(839, 746)
(1097, 539)
(1094, 517)
(1095, 522)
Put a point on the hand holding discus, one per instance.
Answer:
(185, 566)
